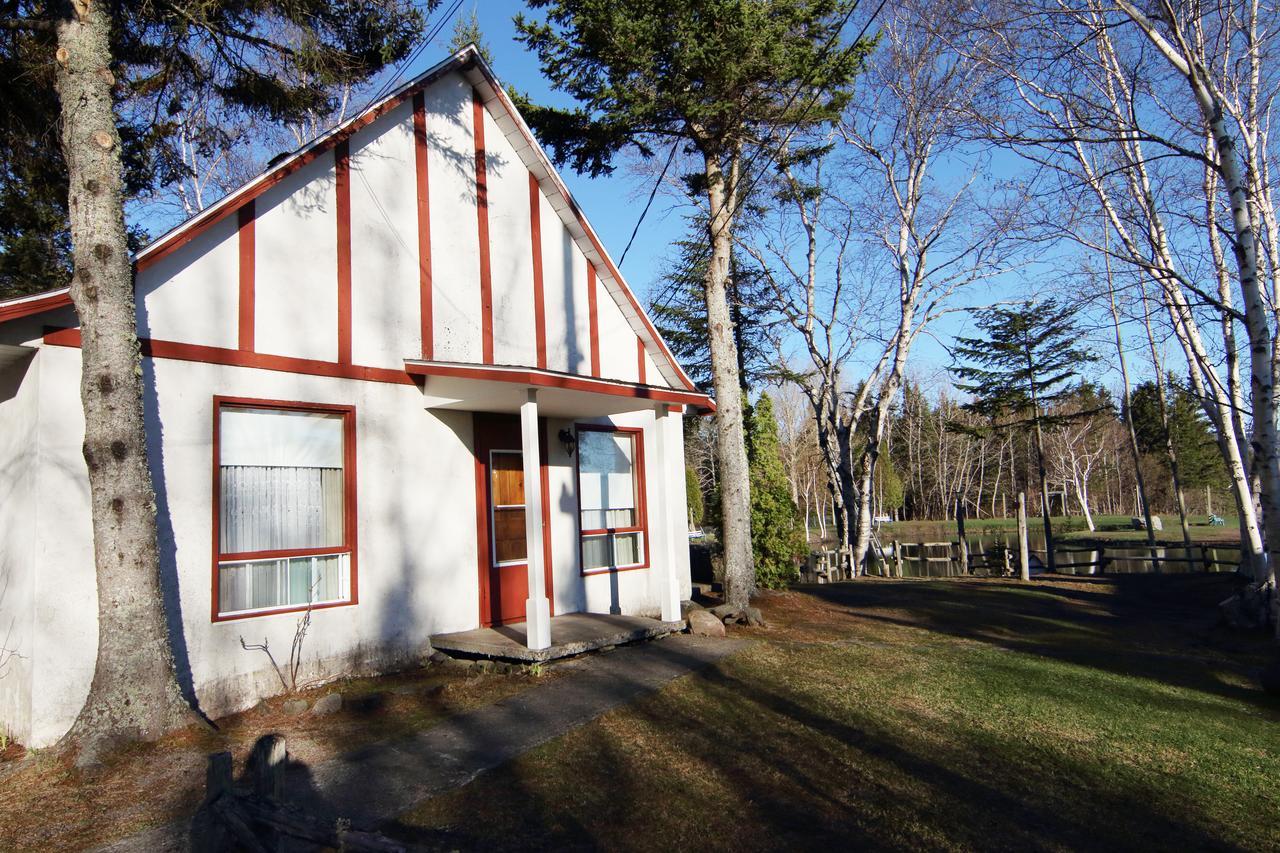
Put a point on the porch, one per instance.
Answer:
(571, 634)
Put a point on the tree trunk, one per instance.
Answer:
(134, 693)
(1024, 552)
(735, 485)
(1128, 414)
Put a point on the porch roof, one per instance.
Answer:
(503, 388)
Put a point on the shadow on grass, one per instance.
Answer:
(1160, 627)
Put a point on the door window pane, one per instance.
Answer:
(506, 496)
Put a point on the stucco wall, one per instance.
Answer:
(19, 418)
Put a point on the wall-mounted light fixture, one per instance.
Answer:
(568, 440)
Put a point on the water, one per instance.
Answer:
(934, 559)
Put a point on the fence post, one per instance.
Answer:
(1024, 570)
(964, 543)
(269, 756)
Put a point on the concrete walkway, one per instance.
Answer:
(379, 782)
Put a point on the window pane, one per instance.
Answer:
(509, 544)
(281, 480)
(264, 584)
(626, 549)
(595, 553)
(506, 478)
(605, 471)
(602, 519)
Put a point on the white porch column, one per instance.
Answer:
(667, 519)
(537, 609)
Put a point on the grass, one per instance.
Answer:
(1072, 528)
(46, 804)
(944, 715)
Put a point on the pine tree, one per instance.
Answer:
(777, 533)
(693, 497)
(724, 80)
(1028, 362)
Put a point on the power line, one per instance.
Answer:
(652, 193)
(390, 84)
(790, 100)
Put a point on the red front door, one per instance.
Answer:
(500, 519)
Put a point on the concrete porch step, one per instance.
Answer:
(571, 634)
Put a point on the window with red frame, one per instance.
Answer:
(611, 499)
(284, 507)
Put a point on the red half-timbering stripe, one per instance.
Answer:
(424, 225)
(539, 305)
(482, 223)
(595, 320)
(247, 297)
(342, 161)
(640, 371)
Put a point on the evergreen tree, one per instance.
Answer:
(693, 497)
(681, 318)
(777, 533)
(1028, 363)
(727, 80)
(1199, 460)
(466, 30)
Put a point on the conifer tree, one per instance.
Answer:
(1028, 362)
(777, 533)
(725, 81)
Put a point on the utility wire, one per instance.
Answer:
(652, 193)
(390, 84)
(751, 161)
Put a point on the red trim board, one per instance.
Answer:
(246, 296)
(342, 185)
(539, 302)
(593, 319)
(482, 226)
(424, 224)
(549, 379)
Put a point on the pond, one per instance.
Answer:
(939, 557)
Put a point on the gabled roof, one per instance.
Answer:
(468, 62)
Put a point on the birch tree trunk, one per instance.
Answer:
(735, 480)
(134, 693)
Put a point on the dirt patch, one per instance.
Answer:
(48, 804)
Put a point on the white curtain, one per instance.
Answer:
(606, 480)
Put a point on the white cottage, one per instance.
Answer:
(355, 366)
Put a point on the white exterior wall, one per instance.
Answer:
(194, 305)
(19, 424)
(385, 287)
(455, 236)
(417, 555)
(511, 250)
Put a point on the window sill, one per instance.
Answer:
(280, 611)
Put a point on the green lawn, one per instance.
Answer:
(960, 714)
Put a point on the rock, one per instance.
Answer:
(727, 613)
(1156, 524)
(482, 666)
(328, 704)
(438, 658)
(686, 607)
(294, 707)
(1247, 609)
(754, 616)
(705, 624)
(1270, 678)
(1137, 523)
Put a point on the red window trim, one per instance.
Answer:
(349, 545)
(642, 509)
